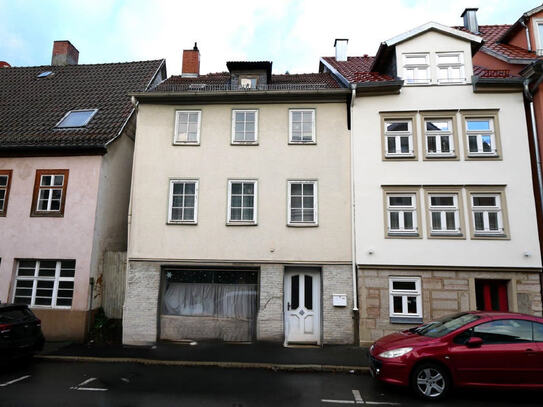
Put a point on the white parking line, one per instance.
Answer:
(78, 387)
(337, 401)
(14, 381)
(357, 397)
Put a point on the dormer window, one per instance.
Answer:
(450, 67)
(416, 68)
(248, 82)
(76, 118)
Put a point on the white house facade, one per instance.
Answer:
(445, 213)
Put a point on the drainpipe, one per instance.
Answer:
(523, 23)
(530, 97)
(356, 314)
(89, 318)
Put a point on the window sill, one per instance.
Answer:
(180, 143)
(173, 222)
(483, 156)
(445, 235)
(402, 235)
(302, 142)
(46, 214)
(241, 223)
(400, 157)
(406, 320)
(490, 236)
(440, 156)
(302, 225)
(244, 143)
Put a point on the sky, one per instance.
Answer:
(293, 34)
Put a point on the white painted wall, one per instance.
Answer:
(272, 162)
(372, 172)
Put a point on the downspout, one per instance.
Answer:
(530, 97)
(523, 23)
(356, 314)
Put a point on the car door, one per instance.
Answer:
(506, 356)
(538, 339)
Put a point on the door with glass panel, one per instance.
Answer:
(302, 305)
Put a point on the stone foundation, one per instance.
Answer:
(443, 292)
(337, 322)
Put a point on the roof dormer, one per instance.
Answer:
(249, 74)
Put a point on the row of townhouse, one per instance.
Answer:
(330, 207)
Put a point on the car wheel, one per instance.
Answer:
(430, 381)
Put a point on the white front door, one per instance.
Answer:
(302, 306)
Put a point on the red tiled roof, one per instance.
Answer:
(483, 72)
(492, 33)
(30, 107)
(357, 69)
(179, 83)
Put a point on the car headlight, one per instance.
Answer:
(395, 353)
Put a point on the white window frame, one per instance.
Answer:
(58, 125)
(397, 138)
(175, 135)
(229, 219)
(536, 22)
(250, 79)
(5, 188)
(315, 221)
(442, 210)
(291, 124)
(405, 294)
(56, 279)
(416, 68)
(449, 66)
(401, 211)
(233, 140)
(479, 134)
(50, 188)
(438, 134)
(498, 209)
(174, 181)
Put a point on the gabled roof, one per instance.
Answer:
(517, 25)
(31, 107)
(492, 36)
(432, 26)
(354, 70)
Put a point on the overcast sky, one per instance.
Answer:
(291, 33)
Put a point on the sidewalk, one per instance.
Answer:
(336, 358)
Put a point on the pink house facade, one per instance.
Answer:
(65, 182)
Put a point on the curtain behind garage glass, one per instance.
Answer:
(236, 301)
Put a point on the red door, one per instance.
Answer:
(491, 295)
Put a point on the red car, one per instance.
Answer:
(475, 349)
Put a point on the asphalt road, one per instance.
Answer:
(47, 383)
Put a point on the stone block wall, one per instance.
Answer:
(337, 322)
(270, 311)
(443, 292)
(140, 310)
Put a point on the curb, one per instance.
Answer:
(231, 365)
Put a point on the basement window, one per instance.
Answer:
(76, 118)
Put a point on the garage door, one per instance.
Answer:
(205, 303)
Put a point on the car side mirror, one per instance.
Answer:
(474, 342)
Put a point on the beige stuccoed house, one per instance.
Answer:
(239, 223)
(445, 212)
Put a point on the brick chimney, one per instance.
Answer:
(191, 62)
(64, 53)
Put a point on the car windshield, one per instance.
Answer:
(446, 325)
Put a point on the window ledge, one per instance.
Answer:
(234, 223)
(406, 320)
(439, 156)
(46, 214)
(302, 142)
(403, 234)
(483, 156)
(302, 225)
(490, 236)
(399, 156)
(244, 143)
(172, 222)
(185, 143)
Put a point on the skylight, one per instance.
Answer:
(76, 118)
(45, 74)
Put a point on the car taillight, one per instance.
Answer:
(5, 328)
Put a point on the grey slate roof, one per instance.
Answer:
(30, 107)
